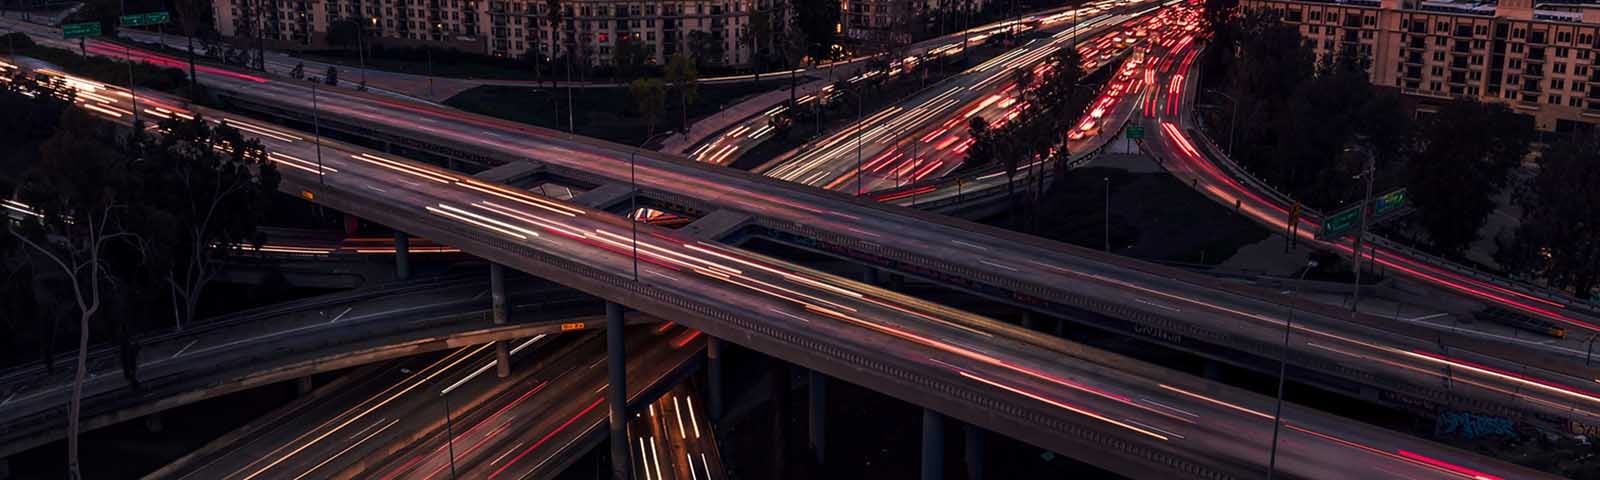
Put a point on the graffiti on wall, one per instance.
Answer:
(1473, 426)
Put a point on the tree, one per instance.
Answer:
(193, 16)
(208, 188)
(818, 21)
(650, 97)
(630, 58)
(705, 48)
(759, 37)
(1467, 149)
(1559, 237)
(79, 187)
(343, 32)
(683, 78)
(792, 47)
(332, 77)
(982, 152)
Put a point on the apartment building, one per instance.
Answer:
(893, 21)
(592, 30)
(1539, 59)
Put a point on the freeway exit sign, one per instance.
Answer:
(1389, 202)
(142, 19)
(1136, 132)
(80, 30)
(1340, 222)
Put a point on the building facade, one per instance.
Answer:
(592, 30)
(1540, 60)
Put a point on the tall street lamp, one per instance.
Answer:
(1283, 368)
(316, 128)
(1370, 171)
(633, 203)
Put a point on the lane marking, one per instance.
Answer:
(185, 348)
(341, 314)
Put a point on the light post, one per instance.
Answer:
(133, 95)
(1108, 214)
(449, 435)
(633, 204)
(316, 128)
(1370, 171)
(1233, 119)
(858, 137)
(1283, 368)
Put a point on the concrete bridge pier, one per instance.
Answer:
(402, 255)
(869, 276)
(714, 375)
(1028, 320)
(5, 469)
(778, 382)
(932, 445)
(497, 292)
(304, 385)
(818, 386)
(153, 424)
(617, 392)
(974, 448)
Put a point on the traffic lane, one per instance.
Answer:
(291, 422)
(679, 445)
(826, 165)
(1227, 190)
(478, 426)
(535, 451)
(179, 355)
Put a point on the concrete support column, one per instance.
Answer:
(714, 375)
(932, 445)
(5, 469)
(1061, 327)
(617, 392)
(818, 384)
(402, 256)
(497, 292)
(897, 281)
(778, 381)
(1028, 321)
(869, 276)
(974, 447)
(303, 385)
(350, 224)
(152, 422)
(1213, 371)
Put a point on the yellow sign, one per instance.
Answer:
(308, 195)
(567, 327)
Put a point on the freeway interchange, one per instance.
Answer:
(872, 336)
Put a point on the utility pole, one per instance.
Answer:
(133, 95)
(316, 128)
(1370, 172)
(1283, 368)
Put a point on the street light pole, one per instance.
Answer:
(1371, 173)
(316, 128)
(449, 436)
(1283, 368)
(858, 143)
(1108, 214)
(133, 95)
(633, 204)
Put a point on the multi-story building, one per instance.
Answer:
(894, 21)
(1541, 60)
(592, 30)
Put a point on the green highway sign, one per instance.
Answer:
(1389, 202)
(80, 30)
(142, 19)
(1136, 132)
(1340, 222)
